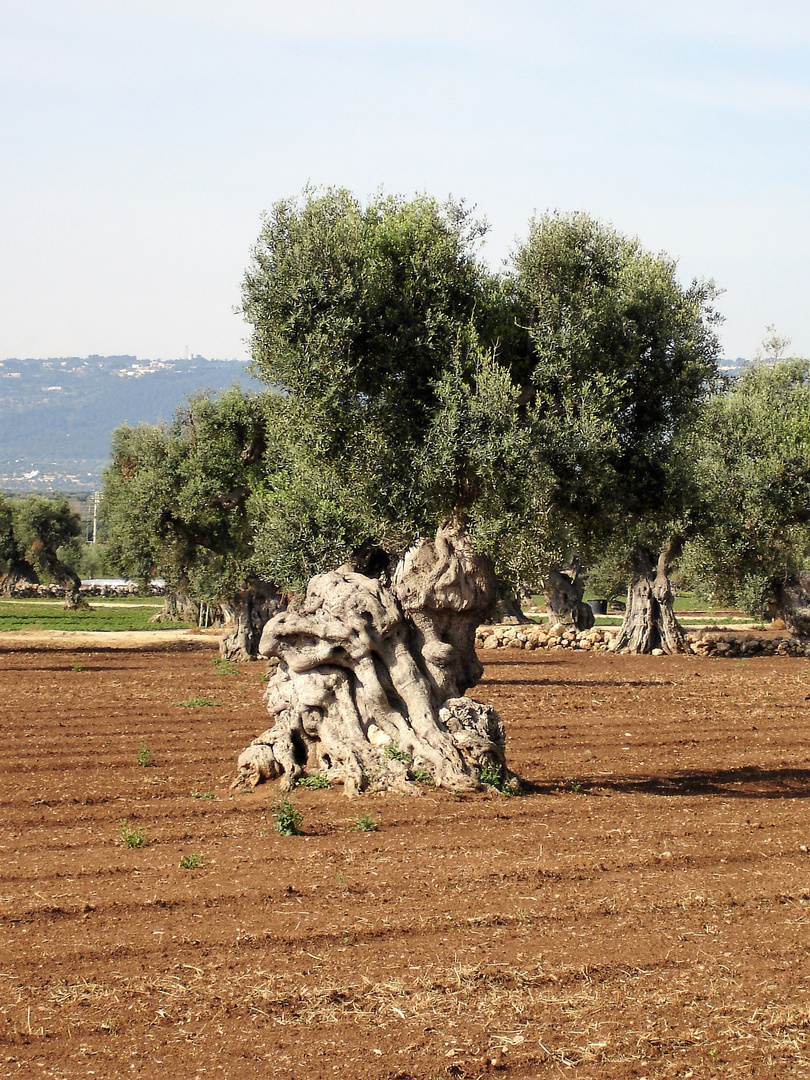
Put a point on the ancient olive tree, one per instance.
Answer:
(372, 671)
(16, 570)
(623, 357)
(753, 455)
(377, 323)
(39, 539)
(176, 504)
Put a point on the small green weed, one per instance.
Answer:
(365, 823)
(492, 775)
(341, 879)
(76, 667)
(393, 753)
(201, 702)
(133, 838)
(224, 667)
(144, 757)
(422, 776)
(576, 787)
(314, 781)
(192, 860)
(288, 819)
(202, 794)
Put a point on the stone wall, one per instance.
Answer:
(712, 641)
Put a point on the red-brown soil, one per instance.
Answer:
(641, 912)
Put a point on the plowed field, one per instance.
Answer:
(642, 911)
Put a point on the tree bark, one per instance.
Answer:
(370, 677)
(178, 607)
(252, 607)
(507, 606)
(793, 603)
(564, 591)
(68, 580)
(60, 573)
(649, 621)
(20, 572)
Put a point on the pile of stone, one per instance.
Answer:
(709, 642)
(529, 636)
(714, 642)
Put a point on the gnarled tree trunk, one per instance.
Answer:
(20, 572)
(68, 580)
(564, 591)
(649, 621)
(252, 607)
(178, 607)
(793, 603)
(507, 606)
(61, 574)
(370, 677)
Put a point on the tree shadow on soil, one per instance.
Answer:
(746, 782)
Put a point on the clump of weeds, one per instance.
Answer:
(423, 776)
(192, 860)
(224, 667)
(314, 781)
(393, 753)
(365, 823)
(195, 794)
(132, 838)
(288, 819)
(492, 775)
(144, 757)
(201, 702)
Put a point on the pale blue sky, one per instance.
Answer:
(142, 139)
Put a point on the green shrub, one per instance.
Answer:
(393, 753)
(365, 823)
(423, 776)
(492, 775)
(314, 781)
(133, 838)
(288, 819)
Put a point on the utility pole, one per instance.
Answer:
(96, 501)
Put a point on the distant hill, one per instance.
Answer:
(57, 416)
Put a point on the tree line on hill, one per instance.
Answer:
(567, 414)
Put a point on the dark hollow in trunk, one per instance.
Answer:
(371, 675)
(649, 621)
(564, 591)
(251, 608)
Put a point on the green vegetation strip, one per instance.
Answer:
(51, 615)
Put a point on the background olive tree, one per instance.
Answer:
(754, 468)
(177, 502)
(623, 359)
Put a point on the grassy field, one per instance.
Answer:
(690, 609)
(125, 614)
(135, 613)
